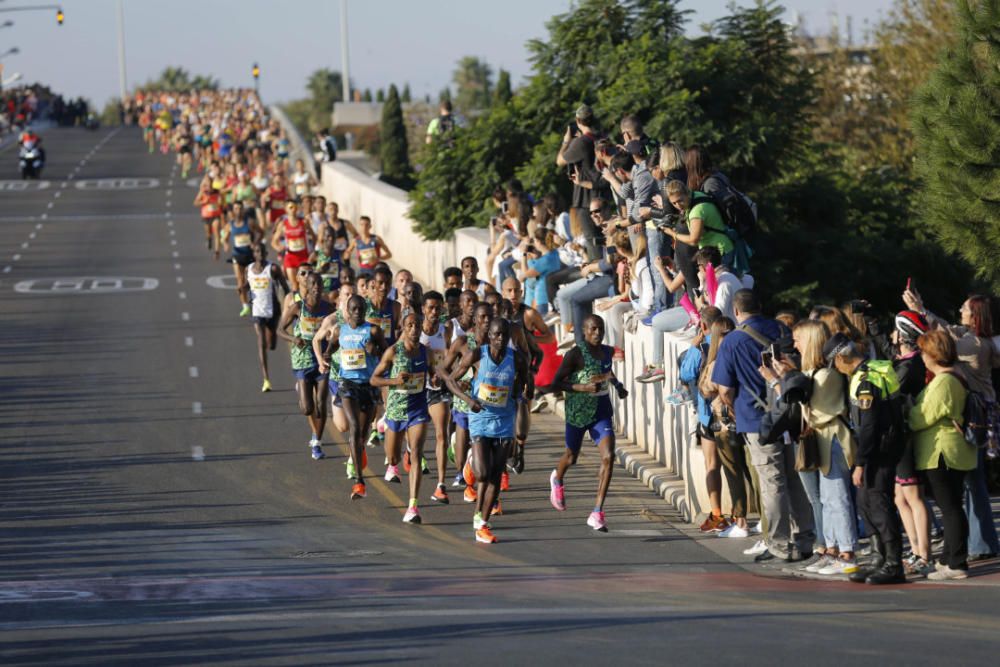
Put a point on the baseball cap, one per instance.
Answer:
(837, 345)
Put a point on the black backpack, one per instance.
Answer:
(976, 416)
(738, 211)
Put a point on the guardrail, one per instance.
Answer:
(660, 449)
(300, 148)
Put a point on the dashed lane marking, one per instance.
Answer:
(198, 453)
(180, 279)
(193, 371)
(186, 317)
(24, 246)
(182, 295)
(188, 341)
(196, 407)
(32, 235)
(6, 269)
(16, 257)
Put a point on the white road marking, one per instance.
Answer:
(182, 295)
(57, 195)
(198, 453)
(6, 269)
(170, 223)
(167, 214)
(188, 341)
(64, 186)
(169, 192)
(24, 246)
(168, 203)
(69, 178)
(38, 226)
(173, 241)
(32, 235)
(193, 372)
(186, 317)
(177, 267)
(16, 257)
(172, 232)
(86, 285)
(44, 216)
(180, 279)
(196, 407)
(176, 254)
(50, 205)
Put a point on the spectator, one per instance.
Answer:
(705, 226)
(572, 254)
(941, 451)
(702, 176)
(327, 145)
(577, 154)
(443, 125)
(670, 166)
(540, 259)
(632, 131)
(742, 390)
(576, 299)
(635, 295)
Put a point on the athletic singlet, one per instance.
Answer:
(517, 321)
(211, 208)
(242, 238)
(367, 252)
(260, 183)
(385, 319)
(295, 236)
(278, 197)
(246, 194)
(306, 326)
(261, 291)
(481, 290)
(356, 364)
(410, 397)
(329, 268)
(434, 341)
(493, 387)
(301, 183)
(341, 241)
(459, 405)
(583, 409)
(456, 329)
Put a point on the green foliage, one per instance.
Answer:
(380, 96)
(473, 79)
(444, 95)
(179, 80)
(367, 95)
(405, 96)
(312, 113)
(503, 92)
(110, 116)
(393, 150)
(956, 121)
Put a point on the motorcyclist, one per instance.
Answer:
(29, 136)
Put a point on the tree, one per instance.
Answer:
(502, 93)
(380, 95)
(178, 79)
(956, 121)
(393, 149)
(367, 96)
(444, 95)
(473, 83)
(405, 96)
(325, 88)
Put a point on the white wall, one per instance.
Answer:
(663, 431)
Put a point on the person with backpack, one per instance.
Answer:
(877, 421)
(705, 225)
(442, 126)
(941, 450)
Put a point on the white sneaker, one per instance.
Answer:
(734, 531)
(838, 566)
(477, 522)
(823, 562)
(756, 530)
(758, 548)
(944, 573)
(392, 474)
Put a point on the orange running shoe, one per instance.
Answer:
(484, 535)
(470, 494)
(505, 481)
(406, 460)
(470, 477)
(440, 495)
(358, 491)
(497, 509)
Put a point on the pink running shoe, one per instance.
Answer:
(557, 496)
(596, 521)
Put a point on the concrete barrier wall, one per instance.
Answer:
(663, 431)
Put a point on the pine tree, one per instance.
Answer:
(405, 97)
(367, 96)
(444, 95)
(502, 93)
(380, 96)
(956, 122)
(393, 149)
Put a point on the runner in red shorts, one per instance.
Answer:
(275, 199)
(293, 236)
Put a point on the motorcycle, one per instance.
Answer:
(31, 160)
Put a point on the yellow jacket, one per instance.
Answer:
(932, 421)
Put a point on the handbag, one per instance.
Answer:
(807, 453)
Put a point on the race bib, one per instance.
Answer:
(352, 360)
(368, 256)
(241, 240)
(414, 384)
(296, 244)
(308, 326)
(278, 204)
(340, 244)
(332, 271)
(493, 396)
(259, 283)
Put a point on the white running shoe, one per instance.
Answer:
(392, 474)
(822, 563)
(758, 548)
(412, 515)
(839, 566)
(734, 531)
(756, 530)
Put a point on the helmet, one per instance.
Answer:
(910, 325)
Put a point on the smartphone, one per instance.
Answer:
(909, 284)
(776, 352)
(504, 207)
(766, 358)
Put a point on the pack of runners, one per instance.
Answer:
(376, 355)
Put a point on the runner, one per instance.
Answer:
(274, 199)
(327, 262)
(342, 230)
(386, 314)
(292, 236)
(263, 279)
(501, 375)
(369, 248)
(310, 385)
(437, 337)
(584, 376)
(243, 235)
(470, 273)
(210, 202)
(360, 344)
(406, 413)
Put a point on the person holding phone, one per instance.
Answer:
(577, 154)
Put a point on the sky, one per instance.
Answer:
(390, 41)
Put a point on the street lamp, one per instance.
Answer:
(256, 78)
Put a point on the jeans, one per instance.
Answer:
(542, 308)
(505, 270)
(839, 526)
(655, 248)
(785, 504)
(577, 298)
(556, 279)
(947, 485)
(810, 482)
(616, 323)
(979, 512)
(672, 319)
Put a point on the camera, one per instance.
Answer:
(504, 207)
(663, 219)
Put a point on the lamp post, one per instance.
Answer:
(256, 78)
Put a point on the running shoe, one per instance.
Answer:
(469, 495)
(714, 524)
(440, 495)
(838, 566)
(477, 521)
(392, 474)
(266, 386)
(485, 535)
(653, 373)
(596, 521)
(679, 396)
(358, 491)
(505, 481)
(945, 573)
(424, 468)
(406, 460)
(373, 438)
(245, 310)
(412, 515)
(459, 482)
(758, 548)
(518, 458)
(351, 472)
(734, 531)
(468, 475)
(541, 403)
(557, 495)
(497, 509)
(317, 450)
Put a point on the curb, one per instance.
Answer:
(664, 483)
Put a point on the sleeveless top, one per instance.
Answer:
(329, 268)
(242, 238)
(367, 252)
(306, 326)
(459, 405)
(385, 319)
(410, 397)
(261, 291)
(356, 364)
(434, 341)
(493, 387)
(295, 235)
(583, 409)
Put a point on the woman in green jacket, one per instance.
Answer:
(940, 449)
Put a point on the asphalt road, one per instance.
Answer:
(157, 509)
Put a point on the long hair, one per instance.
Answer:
(699, 166)
(837, 322)
(720, 329)
(982, 318)
(813, 335)
(671, 157)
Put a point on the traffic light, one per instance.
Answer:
(256, 71)
(60, 16)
